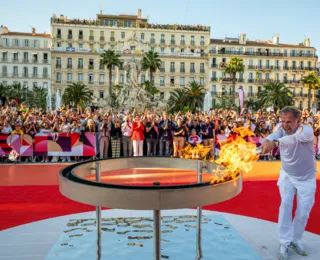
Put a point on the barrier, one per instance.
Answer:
(64, 144)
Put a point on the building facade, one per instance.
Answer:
(78, 44)
(25, 58)
(265, 62)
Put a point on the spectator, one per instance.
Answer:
(137, 136)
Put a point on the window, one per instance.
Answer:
(25, 83)
(182, 50)
(181, 81)
(152, 49)
(26, 43)
(4, 69)
(69, 61)
(101, 94)
(6, 42)
(121, 79)
(80, 77)
(45, 71)
(69, 77)
(101, 78)
(91, 62)
(267, 64)
(201, 67)
(172, 67)
(80, 61)
(58, 44)
(250, 76)
(58, 76)
(192, 38)
(112, 79)
(152, 36)
(142, 36)
(161, 81)
(182, 38)
(15, 56)
(191, 79)
(191, 67)
(91, 78)
(45, 56)
(172, 37)
(25, 71)
(171, 80)
(35, 84)
(201, 81)
(132, 48)
(161, 95)
(267, 75)
(16, 42)
(162, 37)
(91, 33)
(91, 46)
(123, 35)
(172, 50)
(182, 67)
(36, 43)
(35, 71)
(25, 56)
(143, 78)
(15, 70)
(58, 61)
(202, 39)
(80, 45)
(250, 90)
(69, 45)
(162, 50)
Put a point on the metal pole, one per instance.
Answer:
(157, 235)
(199, 216)
(98, 215)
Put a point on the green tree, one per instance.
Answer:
(18, 92)
(177, 100)
(277, 95)
(311, 81)
(252, 102)
(40, 97)
(151, 62)
(110, 59)
(77, 93)
(234, 66)
(195, 95)
(151, 89)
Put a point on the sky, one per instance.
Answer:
(294, 20)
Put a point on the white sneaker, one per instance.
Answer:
(298, 248)
(42, 160)
(283, 253)
(63, 160)
(69, 160)
(47, 160)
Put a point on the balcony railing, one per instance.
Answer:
(182, 70)
(172, 42)
(80, 37)
(4, 59)
(192, 42)
(26, 60)
(91, 67)
(35, 60)
(35, 75)
(214, 65)
(25, 75)
(4, 74)
(214, 79)
(291, 81)
(59, 36)
(90, 82)
(101, 82)
(153, 41)
(69, 66)
(162, 70)
(70, 36)
(58, 66)
(102, 38)
(91, 38)
(250, 94)
(45, 61)
(162, 41)
(80, 66)
(183, 42)
(172, 69)
(202, 43)
(192, 70)
(202, 70)
(45, 76)
(112, 39)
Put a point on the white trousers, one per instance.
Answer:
(137, 147)
(305, 191)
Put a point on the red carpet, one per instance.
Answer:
(24, 204)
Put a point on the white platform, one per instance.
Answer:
(34, 241)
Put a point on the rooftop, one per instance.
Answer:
(4, 31)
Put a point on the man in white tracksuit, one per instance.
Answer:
(297, 176)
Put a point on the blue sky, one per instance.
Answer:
(293, 19)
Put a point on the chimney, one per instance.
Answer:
(100, 11)
(243, 38)
(139, 13)
(276, 39)
(307, 42)
(33, 31)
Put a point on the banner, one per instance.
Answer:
(64, 144)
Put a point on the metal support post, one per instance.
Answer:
(199, 216)
(157, 234)
(98, 215)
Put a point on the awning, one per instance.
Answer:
(35, 53)
(15, 52)
(3, 51)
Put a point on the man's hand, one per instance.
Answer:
(267, 146)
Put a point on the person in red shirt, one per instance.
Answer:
(137, 136)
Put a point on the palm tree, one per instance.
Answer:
(277, 95)
(152, 62)
(40, 97)
(195, 95)
(251, 102)
(109, 59)
(151, 89)
(233, 66)
(177, 100)
(311, 81)
(18, 92)
(77, 93)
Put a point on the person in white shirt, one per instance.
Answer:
(297, 177)
(7, 129)
(126, 129)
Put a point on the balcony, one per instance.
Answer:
(4, 74)
(91, 67)
(291, 81)
(15, 75)
(112, 39)
(80, 37)
(58, 66)
(59, 36)
(214, 65)
(91, 38)
(202, 43)
(182, 42)
(90, 82)
(182, 70)
(69, 36)
(152, 41)
(214, 93)
(214, 79)
(251, 80)
(240, 80)
(35, 75)
(172, 42)
(45, 61)
(25, 75)
(162, 41)
(192, 70)
(101, 82)
(102, 38)
(69, 66)
(4, 59)
(101, 67)
(192, 43)
(45, 76)
(15, 60)
(69, 81)
(80, 66)
(286, 68)
(58, 81)
(250, 94)
(202, 71)
(172, 70)
(34, 60)
(277, 68)
(162, 70)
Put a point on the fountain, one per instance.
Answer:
(207, 104)
(49, 98)
(100, 183)
(58, 99)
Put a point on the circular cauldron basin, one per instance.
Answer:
(152, 183)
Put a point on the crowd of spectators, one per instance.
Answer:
(147, 133)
